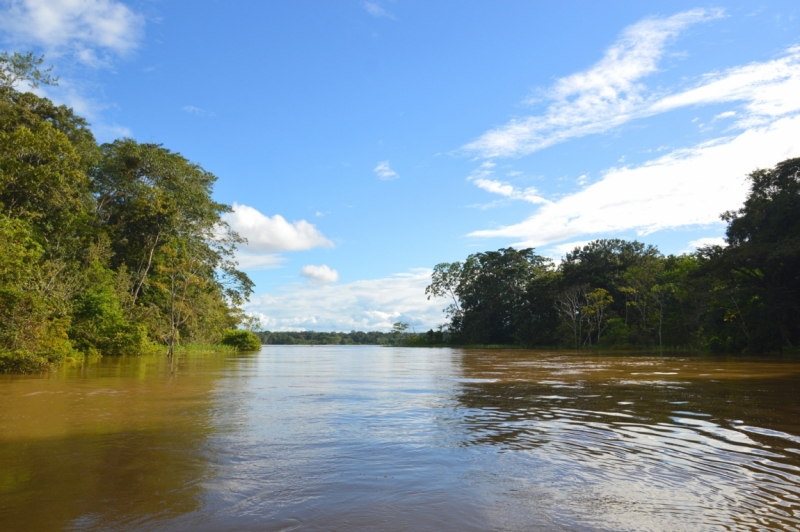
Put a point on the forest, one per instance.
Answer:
(616, 294)
(113, 248)
(396, 337)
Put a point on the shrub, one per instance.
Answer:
(241, 340)
(22, 362)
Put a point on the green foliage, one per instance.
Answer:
(99, 324)
(332, 338)
(620, 295)
(24, 316)
(41, 179)
(399, 327)
(106, 249)
(491, 294)
(18, 67)
(757, 290)
(22, 361)
(617, 335)
(242, 340)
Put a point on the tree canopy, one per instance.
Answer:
(744, 297)
(107, 249)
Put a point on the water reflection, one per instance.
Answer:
(367, 438)
(113, 445)
(644, 442)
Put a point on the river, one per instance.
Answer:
(369, 438)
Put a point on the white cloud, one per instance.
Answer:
(560, 250)
(376, 10)
(769, 90)
(707, 241)
(320, 275)
(384, 171)
(598, 99)
(87, 28)
(275, 234)
(91, 32)
(482, 177)
(361, 305)
(196, 110)
(104, 132)
(682, 188)
(726, 114)
(258, 261)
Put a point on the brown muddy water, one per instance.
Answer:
(368, 438)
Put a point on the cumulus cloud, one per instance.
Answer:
(366, 305)
(598, 99)
(87, 28)
(384, 172)
(320, 275)
(273, 234)
(374, 9)
(682, 188)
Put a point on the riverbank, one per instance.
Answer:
(24, 363)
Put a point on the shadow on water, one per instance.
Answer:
(117, 444)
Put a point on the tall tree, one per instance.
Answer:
(492, 292)
(760, 267)
(602, 264)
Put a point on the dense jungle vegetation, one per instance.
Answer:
(106, 249)
(741, 298)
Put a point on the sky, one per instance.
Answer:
(360, 143)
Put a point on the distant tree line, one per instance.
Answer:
(104, 249)
(332, 338)
(611, 293)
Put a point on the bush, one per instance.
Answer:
(22, 362)
(617, 335)
(241, 340)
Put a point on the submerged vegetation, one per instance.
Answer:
(241, 340)
(116, 248)
(616, 294)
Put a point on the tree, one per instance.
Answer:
(31, 336)
(157, 206)
(640, 287)
(596, 310)
(602, 264)
(399, 327)
(17, 67)
(570, 304)
(104, 249)
(445, 280)
(493, 289)
(760, 268)
(41, 181)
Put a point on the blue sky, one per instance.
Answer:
(363, 142)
